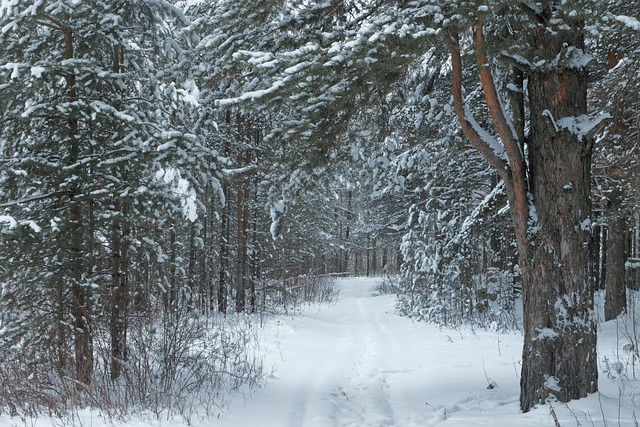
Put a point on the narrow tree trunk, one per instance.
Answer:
(347, 233)
(192, 275)
(255, 246)
(225, 232)
(80, 308)
(240, 223)
(374, 257)
(173, 277)
(596, 251)
(117, 328)
(368, 256)
(241, 252)
(615, 288)
(205, 287)
(385, 261)
(224, 253)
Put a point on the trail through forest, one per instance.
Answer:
(357, 363)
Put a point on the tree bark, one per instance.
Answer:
(225, 232)
(119, 299)
(81, 305)
(241, 261)
(615, 286)
(559, 355)
(224, 253)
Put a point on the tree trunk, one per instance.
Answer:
(81, 305)
(550, 211)
(119, 301)
(374, 257)
(173, 276)
(243, 196)
(191, 298)
(616, 292)
(559, 355)
(224, 253)
(225, 231)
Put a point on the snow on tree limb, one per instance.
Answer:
(484, 145)
(486, 137)
(478, 211)
(581, 126)
(250, 96)
(628, 21)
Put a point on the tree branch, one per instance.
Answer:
(471, 129)
(500, 120)
(513, 171)
(503, 126)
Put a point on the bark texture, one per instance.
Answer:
(559, 355)
(615, 287)
(81, 304)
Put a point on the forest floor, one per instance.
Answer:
(358, 364)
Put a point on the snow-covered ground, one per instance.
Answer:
(358, 364)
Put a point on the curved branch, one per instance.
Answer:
(512, 171)
(471, 129)
(519, 199)
(500, 120)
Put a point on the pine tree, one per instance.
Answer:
(85, 132)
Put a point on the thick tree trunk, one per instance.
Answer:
(615, 287)
(551, 211)
(559, 355)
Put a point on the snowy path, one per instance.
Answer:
(359, 364)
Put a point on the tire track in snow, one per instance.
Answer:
(369, 401)
(314, 400)
(333, 367)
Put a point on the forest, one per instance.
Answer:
(172, 173)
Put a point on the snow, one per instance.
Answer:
(578, 58)
(183, 189)
(581, 126)
(8, 221)
(546, 334)
(477, 212)
(37, 72)
(277, 211)
(493, 143)
(15, 67)
(252, 95)
(35, 227)
(298, 67)
(628, 21)
(358, 364)
(190, 93)
(552, 383)
(99, 106)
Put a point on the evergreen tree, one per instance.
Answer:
(89, 130)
